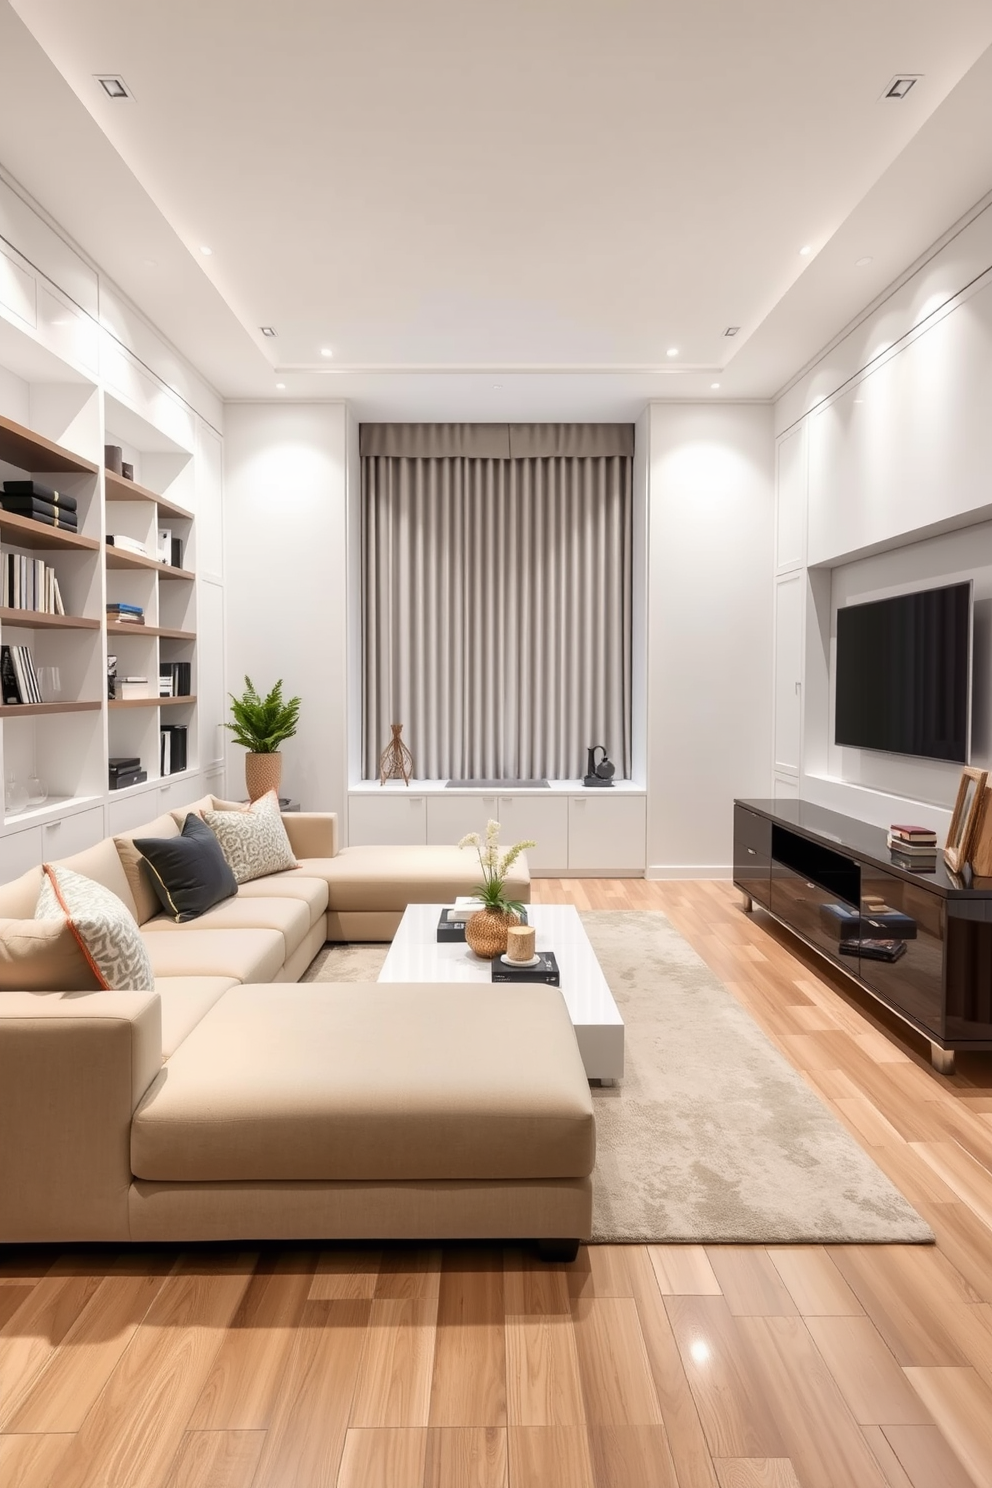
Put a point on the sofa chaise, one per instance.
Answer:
(229, 1102)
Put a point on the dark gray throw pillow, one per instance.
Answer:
(190, 873)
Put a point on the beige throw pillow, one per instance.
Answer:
(254, 841)
(105, 929)
(42, 956)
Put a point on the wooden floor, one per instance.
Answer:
(715, 1367)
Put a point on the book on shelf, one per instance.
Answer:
(546, 970)
(40, 511)
(9, 688)
(176, 552)
(29, 584)
(915, 862)
(111, 677)
(130, 689)
(175, 679)
(122, 781)
(912, 849)
(19, 679)
(127, 544)
(165, 544)
(174, 747)
(38, 491)
(123, 764)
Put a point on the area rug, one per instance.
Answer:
(712, 1136)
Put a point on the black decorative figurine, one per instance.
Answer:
(598, 774)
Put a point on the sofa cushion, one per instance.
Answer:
(103, 865)
(378, 1081)
(254, 841)
(42, 956)
(291, 917)
(185, 1000)
(244, 955)
(105, 929)
(19, 897)
(136, 869)
(293, 884)
(390, 878)
(189, 872)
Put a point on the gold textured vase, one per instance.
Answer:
(485, 932)
(263, 772)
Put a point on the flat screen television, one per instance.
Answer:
(904, 674)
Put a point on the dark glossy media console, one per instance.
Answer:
(922, 946)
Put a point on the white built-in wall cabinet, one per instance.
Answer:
(579, 832)
(77, 373)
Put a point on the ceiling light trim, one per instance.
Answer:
(113, 85)
(900, 87)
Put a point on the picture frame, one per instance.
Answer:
(967, 809)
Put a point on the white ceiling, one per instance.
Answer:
(499, 211)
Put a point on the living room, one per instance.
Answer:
(803, 356)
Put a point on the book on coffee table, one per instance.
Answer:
(546, 970)
(450, 931)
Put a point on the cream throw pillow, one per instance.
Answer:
(105, 928)
(42, 956)
(253, 841)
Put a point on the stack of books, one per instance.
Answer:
(29, 498)
(175, 679)
(120, 613)
(129, 688)
(173, 755)
(18, 679)
(125, 770)
(917, 846)
(127, 544)
(29, 584)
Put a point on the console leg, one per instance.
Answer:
(942, 1059)
(747, 903)
(557, 1250)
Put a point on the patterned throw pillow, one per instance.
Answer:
(254, 841)
(106, 930)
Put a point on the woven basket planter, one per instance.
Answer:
(263, 772)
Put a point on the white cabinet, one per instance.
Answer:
(606, 833)
(71, 834)
(543, 818)
(451, 817)
(389, 820)
(788, 672)
(20, 851)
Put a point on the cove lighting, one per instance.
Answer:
(672, 351)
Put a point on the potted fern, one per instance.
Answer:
(261, 725)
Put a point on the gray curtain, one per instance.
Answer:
(497, 607)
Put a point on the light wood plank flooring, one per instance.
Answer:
(477, 1367)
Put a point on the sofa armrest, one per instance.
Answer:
(73, 1067)
(312, 834)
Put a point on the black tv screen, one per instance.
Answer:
(904, 674)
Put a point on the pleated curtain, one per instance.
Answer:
(497, 606)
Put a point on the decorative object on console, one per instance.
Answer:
(253, 840)
(261, 725)
(395, 761)
(486, 931)
(601, 773)
(967, 809)
(189, 873)
(981, 842)
(107, 932)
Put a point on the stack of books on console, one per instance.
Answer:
(119, 613)
(917, 846)
(29, 498)
(126, 770)
(127, 544)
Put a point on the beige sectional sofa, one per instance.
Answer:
(231, 1103)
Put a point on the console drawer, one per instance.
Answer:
(800, 902)
(752, 855)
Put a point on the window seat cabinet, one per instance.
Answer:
(824, 876)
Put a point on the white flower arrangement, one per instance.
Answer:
(495, 867)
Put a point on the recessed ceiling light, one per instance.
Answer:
(205, 250)
(862, 263)
(267, 330)
(112, 85)
(731, 330)
(672, 351)
(901, 84)
(806, 250)
(326, 351)
(497, 385)
(714, 385)
(281, 386)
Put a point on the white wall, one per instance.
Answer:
(285, 533)
(710, 537)
(894, 495)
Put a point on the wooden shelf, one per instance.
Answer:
(119, 489)
(24, 533)
(34, 710)
(41, 620)
(120, 558)
(29, 451)
(150, 702)
(115, 629)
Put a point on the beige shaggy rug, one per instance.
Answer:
(712, 1135)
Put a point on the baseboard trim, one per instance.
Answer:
(587, 873)
(690, 870)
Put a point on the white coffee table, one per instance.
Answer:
(416, 956)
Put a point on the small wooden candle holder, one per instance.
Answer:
(520, 941)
